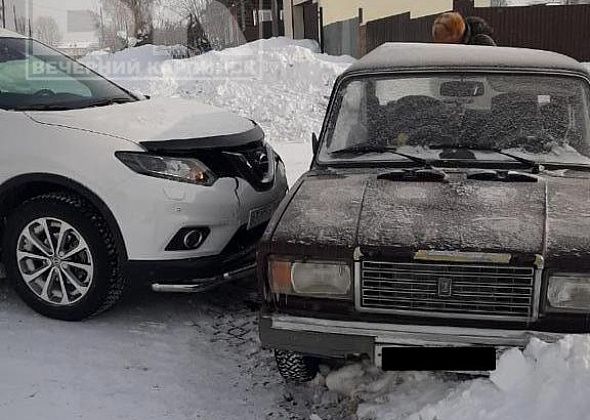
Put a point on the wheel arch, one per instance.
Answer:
(20, 188)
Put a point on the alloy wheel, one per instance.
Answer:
(55, 261)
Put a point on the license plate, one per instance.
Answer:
(439, 358)
(260, 215)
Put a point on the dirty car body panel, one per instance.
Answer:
(493, 252)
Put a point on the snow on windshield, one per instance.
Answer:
(456, 116)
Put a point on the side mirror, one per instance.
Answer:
(315, 143)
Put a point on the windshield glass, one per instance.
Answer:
(467, 117)
(35, 77)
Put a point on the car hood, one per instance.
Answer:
(548, 217)
(150, 120)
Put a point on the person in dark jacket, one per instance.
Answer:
(452, 28)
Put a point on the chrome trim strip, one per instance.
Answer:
(539, 265)
(202, 285)
(357, 284)
(400, 334)
(462, 257)
(449, 315)
(411, 266)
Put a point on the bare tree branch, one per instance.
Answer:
(47, 30)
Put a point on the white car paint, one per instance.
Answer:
(155, 119)
(80, 145)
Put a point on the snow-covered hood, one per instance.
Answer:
(549, 217)
(150, 120)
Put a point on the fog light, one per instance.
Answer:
(188, 239)
(193, 239)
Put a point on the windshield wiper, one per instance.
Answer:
(109, 101)
(532, 164)
(71, 105)
(360, 149)
(43, 107)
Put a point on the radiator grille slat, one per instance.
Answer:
(466, 289)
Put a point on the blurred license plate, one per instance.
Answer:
(260, 215)
(439, 358)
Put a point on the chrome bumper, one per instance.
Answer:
(393, 335)
(204, 284)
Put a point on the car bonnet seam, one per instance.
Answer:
(78, 129)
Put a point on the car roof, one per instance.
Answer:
(415, 56)
(9, 34)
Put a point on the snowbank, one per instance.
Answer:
(282, 84)
(543, 382)
(134, 68)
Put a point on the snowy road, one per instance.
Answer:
(153, 357)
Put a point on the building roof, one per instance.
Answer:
(9, 34)
(403, 56)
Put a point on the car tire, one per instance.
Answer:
(295, 367)
(77, 274)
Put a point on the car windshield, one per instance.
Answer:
(36, 77)
(464, 117)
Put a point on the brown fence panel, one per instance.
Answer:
(311, 21)
(564, 29)
(399, 28)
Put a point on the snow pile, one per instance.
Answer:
(133, 68)
(543, 382)
(282, 84)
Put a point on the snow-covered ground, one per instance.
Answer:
(153, 357)
(197, 357)
(543, 382)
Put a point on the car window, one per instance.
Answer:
(539, 117)
(32, 75)
(35, 77)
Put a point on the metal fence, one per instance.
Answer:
(564, 29)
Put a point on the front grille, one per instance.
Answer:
(249, 162)
(463, 290)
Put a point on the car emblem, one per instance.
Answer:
(445, 287)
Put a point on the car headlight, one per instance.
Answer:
(178, 169)
(313, 278)
(569, 292)
(272, 163)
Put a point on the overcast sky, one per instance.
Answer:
(58, 9)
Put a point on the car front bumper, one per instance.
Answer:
(340, 339)
(194, 274)
(151, 211)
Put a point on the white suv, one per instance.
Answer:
(98, 186)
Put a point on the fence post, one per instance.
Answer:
(15, 18)
(321, 12)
